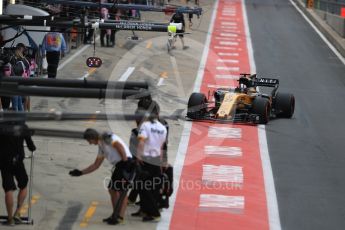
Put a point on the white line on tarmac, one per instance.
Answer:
(271, 196)
(126, 74)
(228, 61)
(160, 82)
(221, 203)
(223, 151)
(181, 153)
(222, 174)
(228, 54)
(228, 35)
(228, 23)
(227, 39)
(228, 68)
(227, 43)
(228, 18)
(225, 48)
(227, 76)
(229, 27)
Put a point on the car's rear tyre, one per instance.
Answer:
(284, 105)
(197, 105)
(261, 107)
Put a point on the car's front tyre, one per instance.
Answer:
(261, 107)
(197, 105)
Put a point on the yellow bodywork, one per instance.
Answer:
(231, 102)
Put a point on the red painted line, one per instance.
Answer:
(187, 213)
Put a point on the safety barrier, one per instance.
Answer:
(331, 6)
(333, 12)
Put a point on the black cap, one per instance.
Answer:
(20, 45)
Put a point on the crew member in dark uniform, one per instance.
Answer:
(12, 167)
(179, 18)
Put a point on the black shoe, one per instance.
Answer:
(131, 202)
(108, 219)
(115, 221)
(9, 223)
(160, 206)
(151, 218)
(138, 214)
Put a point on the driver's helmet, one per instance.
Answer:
(243, 88)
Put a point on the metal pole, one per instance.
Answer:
(75, 83)
(172, 9)
(72, 92)
(30, 186)
(63, 116)
(119, 25)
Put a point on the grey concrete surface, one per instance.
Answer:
(63, 201)
(306, 151)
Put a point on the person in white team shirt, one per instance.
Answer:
(152, 136)
(113, 148)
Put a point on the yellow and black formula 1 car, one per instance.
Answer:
(243, 103)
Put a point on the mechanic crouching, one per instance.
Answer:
(151, 138)
(114, 149)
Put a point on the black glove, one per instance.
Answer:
(32, 148)
(75, 172)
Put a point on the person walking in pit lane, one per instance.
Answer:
(152, 136)
(53, 47)
(113, 148)
(179, 18)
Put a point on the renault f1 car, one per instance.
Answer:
(243, 103)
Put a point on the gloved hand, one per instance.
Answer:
(75, 172)
(32, 148)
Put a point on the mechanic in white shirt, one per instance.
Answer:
(152, 136)
(112, 148)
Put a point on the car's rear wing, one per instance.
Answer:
(266, 82)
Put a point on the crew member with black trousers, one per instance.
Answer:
(179, 18)
(133, 146)
(53, 46)
(152, 136)
(12, 167)
(114, 149)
